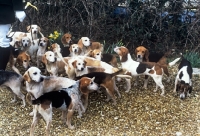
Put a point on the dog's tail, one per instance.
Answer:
(30, 97)
(119, 74)
(174, 62)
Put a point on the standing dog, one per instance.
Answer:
(67, 99)
(183, 81)
(43, 44)
(105, 80)
(13, 81)
(38, 84)
(135, 68)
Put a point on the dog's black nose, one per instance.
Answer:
(82, 69)
(34, 32)
(75, 50)
(139, 56)
(41, 79)
(41, 44)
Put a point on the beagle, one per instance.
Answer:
(86, 45)
(66, 41)
(42, 46)
(14, 82)
(75, 50)
(32, 32)
(54, 66)
(29, 46)
(70, 70)
(143, 55)
(66, 99)
(38, 84)
(105, 57)
(18, 57)
(103, 79)
(183, 81)
(136, 68)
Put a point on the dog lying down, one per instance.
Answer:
(67, 100)
(13, 81)
(105, 80)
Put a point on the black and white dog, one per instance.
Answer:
(13, 81)
(183, 81)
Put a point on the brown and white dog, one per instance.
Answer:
(66, 99)
(81, 68)
(105, 57)
(75, 50)
(103, 79)
(43, 44)
(143, 55)
(38, 84)
(54, 66)
(142, 68)
(70, 70)
(66, 39)
(33, 31)
(18, 57)
(86, 45)
(183, 81)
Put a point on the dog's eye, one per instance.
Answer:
(23, 40)
(25, 60)
(91, 83)
(35, 73)
(49, 55)
(32, 27)
(142, 51)
(97, 53)
(44, 41)
(86, 40)
(79, 63)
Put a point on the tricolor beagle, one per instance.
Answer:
(183, 81)
(135, 68)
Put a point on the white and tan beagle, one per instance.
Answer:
(86, 45)
(54, 66)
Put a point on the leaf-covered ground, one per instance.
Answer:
(141, 112)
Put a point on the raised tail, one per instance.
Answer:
(174, 62)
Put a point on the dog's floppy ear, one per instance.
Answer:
(44, 59)
(85, 62)
(28, 28)
(48, 43)
(146, 55)
(26, 77)
(70, 48)
(63, 40)
(74, 64)
(79, 50)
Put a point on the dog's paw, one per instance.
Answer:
(71, 127)
(155, 90)
(31, 114)
(13, 101)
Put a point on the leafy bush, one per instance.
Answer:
(194, 58)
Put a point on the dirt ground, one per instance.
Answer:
(141, 112)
